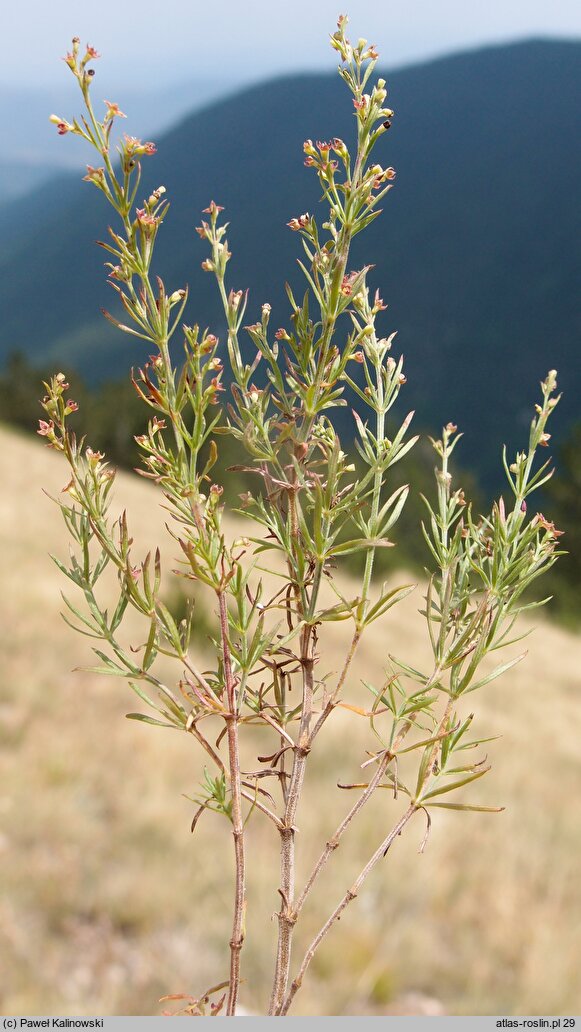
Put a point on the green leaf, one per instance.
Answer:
(466, 806)
(495, 673)
(145, 719)
(456, 784)
(342, 611)
(385, 602)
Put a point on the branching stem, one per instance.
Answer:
(238, 923)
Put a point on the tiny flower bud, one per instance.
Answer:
(234, 298)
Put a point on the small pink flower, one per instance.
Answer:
(62, 126)
(541, 521)
(145, 219)
(149, 148)
(113, 111)
(213, 208)
(300, 223)
(94, 175)
(94, 457)
(45, 429)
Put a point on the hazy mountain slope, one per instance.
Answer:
(32, 152)
(477, 252)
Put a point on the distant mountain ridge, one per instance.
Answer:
(32, 153)
(477, 252)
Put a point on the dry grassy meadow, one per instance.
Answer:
(107, 902)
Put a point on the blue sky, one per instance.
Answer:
(168, 42)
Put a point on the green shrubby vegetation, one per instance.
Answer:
(111, 415)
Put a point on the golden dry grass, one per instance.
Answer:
(107, 902)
